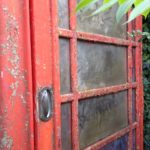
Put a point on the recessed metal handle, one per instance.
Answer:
(45, 104)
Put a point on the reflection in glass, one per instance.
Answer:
(103, 23)
(101, 116)
(64, 66)
(66, 126)
(133, 105)
(119, 144)
(100, 65)
(63, 12)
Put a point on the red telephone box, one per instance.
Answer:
(68, 82)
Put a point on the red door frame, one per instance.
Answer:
(45, 49)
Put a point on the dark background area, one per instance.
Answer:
(146, 81)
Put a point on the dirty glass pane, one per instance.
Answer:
(133, 68)
(64, 66)
(119, 144)
(133, 105)
(103, 23)
(101, 116)
(134, 140)
(63, 11)
(100, 65)
(66, 126)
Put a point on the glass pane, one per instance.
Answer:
(63, 19)
(100, 65)
(133, 105)
(103, 23)
(64, 66)
(133, 68)
(66, 126)
(101, 116)
(120, 144)
(134, 140)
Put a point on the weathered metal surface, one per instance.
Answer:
(130, 81)
(56, 76)
(16, 108)
(139, 91)
(96, 38)
(40, 20)
(16, 71)
(41, 23)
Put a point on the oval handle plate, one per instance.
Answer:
(45, 104)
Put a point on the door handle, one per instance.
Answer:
(45, 99)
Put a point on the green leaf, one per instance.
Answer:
(121, 1)
(123, 9)
(139, 9)
(83, 3)
(104, 7)
(137, 2)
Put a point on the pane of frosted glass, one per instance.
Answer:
(119, 144)
(133, 105)
(64, 66)
(63, 19)
(101, 116)
(100, 65)
(134, 140)
(66, 126)
(133, 68)
(103, 23)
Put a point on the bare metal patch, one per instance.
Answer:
(6, 141)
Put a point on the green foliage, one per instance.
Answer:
(141, 7)
(146, 75)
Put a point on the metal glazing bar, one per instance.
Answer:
(130, 81)
(96, 38)
(73, 49)
(56, 75)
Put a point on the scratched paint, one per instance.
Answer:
(15, 107)
(10, 48)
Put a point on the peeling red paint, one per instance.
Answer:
(16, 111)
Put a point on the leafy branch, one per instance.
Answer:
(139, 7)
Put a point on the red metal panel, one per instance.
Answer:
(42, 66)
(75, 96)
(16, 108)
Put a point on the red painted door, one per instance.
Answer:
(94, 71)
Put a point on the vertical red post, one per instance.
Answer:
(139, 93)
(42, 67)
(56, 75)
(130, 81)
(73, 47)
